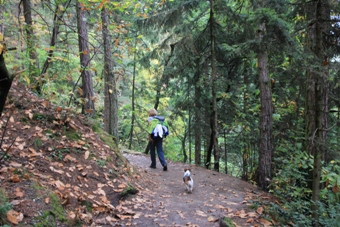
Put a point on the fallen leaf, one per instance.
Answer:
(229, 210)
(3, 170)
(16, 202)
(212, 219)
(56, 171)
(259, 210)
(201, 213)
(15, 164)
(15, 179)
(14, 217)
(87, 153)
(19, 192)
(252, 214)
(265, 222)
(250, 220)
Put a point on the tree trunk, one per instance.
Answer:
(265, 143)
(111, 98)
(2, 9)
(316, 100)
(58, 15)
(33, 59)
(5, 83)
(213, 92)
(87, 85)
(198, 116)
(245, 156)
(133, 100)
(5, 80)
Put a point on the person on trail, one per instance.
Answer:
(156, 142)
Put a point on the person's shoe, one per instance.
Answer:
(165, 168)
(153, 167)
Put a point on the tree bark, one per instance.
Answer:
(133, 101)
(198, 119)
(213, 91)
(265, 142)
(33, 58)
(5, 83)
(111, 97)
(316, 99)
(87, 84)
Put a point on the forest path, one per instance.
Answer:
(166, 202)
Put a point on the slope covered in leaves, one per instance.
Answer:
(55, 171)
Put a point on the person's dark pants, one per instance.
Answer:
(157, 144)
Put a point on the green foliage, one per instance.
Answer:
(72, 135)
(291, 186)
(101, 162)
(50, 217)
(59, 154)
(227, 222)
(290, 183)
(5, 206)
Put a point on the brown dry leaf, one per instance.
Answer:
(15, 178)
(181, 215)
(72, 215)
(100, 191)
(3, 170)
(14, 217)
(137, 215)
(59, 184)
(69, 158)
(47, 200)
(16, 202)
(243, 216)
(218, 206)
(166, 196)
(201, 213)
(122, 186)
(252, 214)
(15, 164)
(56, 171)
(212, 219)
(229, 210)
(19, 193)
(250, 220)
(265, 222)
(259, 210)
(87, 153)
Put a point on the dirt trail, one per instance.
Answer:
(166, 202)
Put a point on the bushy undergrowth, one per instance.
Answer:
(290, 186)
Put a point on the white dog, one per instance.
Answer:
(188, 181)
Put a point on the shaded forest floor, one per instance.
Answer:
(56, 171)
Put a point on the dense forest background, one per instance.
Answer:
(249, 88)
